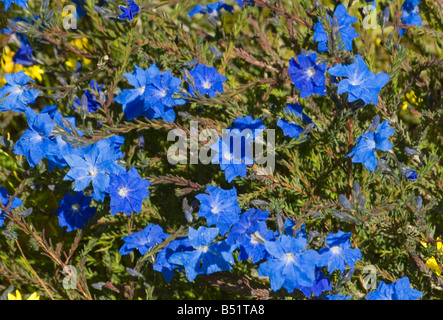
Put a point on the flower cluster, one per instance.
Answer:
(285, 258)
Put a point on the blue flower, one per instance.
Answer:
(219, 207)
(361, 83)
(93, 103)
(255, 125)
(241, 3)
(93, 164)
(212, 9)
(15, 94)
(321, 283)
(410, 174)
(113, 143)
(289, 226)
(21, 3)
(75, 211)
(207, 257)
(162, 263)
(243, 234)
(15, 203)
(129, 13)
(143, 240)
(234, 149)
(338, 252)
(55, 158)
(307, 76)
(410, 14)
(368, 142)
(347, 33)
(127, 191)
(291, 265)
(291, 128)
(399, 290)
(207, 80)
(336, 297)
(230, 161)
(36, 142)
(24, 55)
(133, 99)
(158, 96)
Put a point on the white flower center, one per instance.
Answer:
(123, 192)
(289, 257)
(336, 250)
(162, 93)
(141, 90)
(310, 72)
(215, 210)
(204, 249)
(75, 207)
(206, 84)
(93, 172)
(17, 90)
(371, 144)
(228, 156)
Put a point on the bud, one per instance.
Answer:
(141, 141)
(419, 202)
(356, 188)
(362, 201)
(411, 152)
(189, 78)
(215, 52)
(78, 69)
(386, 14)
(374, 124)
(259, 202)
(134, 273)
(335, 27)
(84, 110)
(98, 285)
(344, 202)
(190, 64)
(280, 225)
(25, 213)
(187, 210)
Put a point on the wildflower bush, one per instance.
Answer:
(99, 200)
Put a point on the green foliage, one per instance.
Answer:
(313, 182)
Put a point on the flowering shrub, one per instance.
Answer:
(231, 149)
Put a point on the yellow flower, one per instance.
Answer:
(35, 72)
(432, 263)
(83, 45)
(405, 105)
(377, 41)
(7, 65)
(412, 98)
(18, 296)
